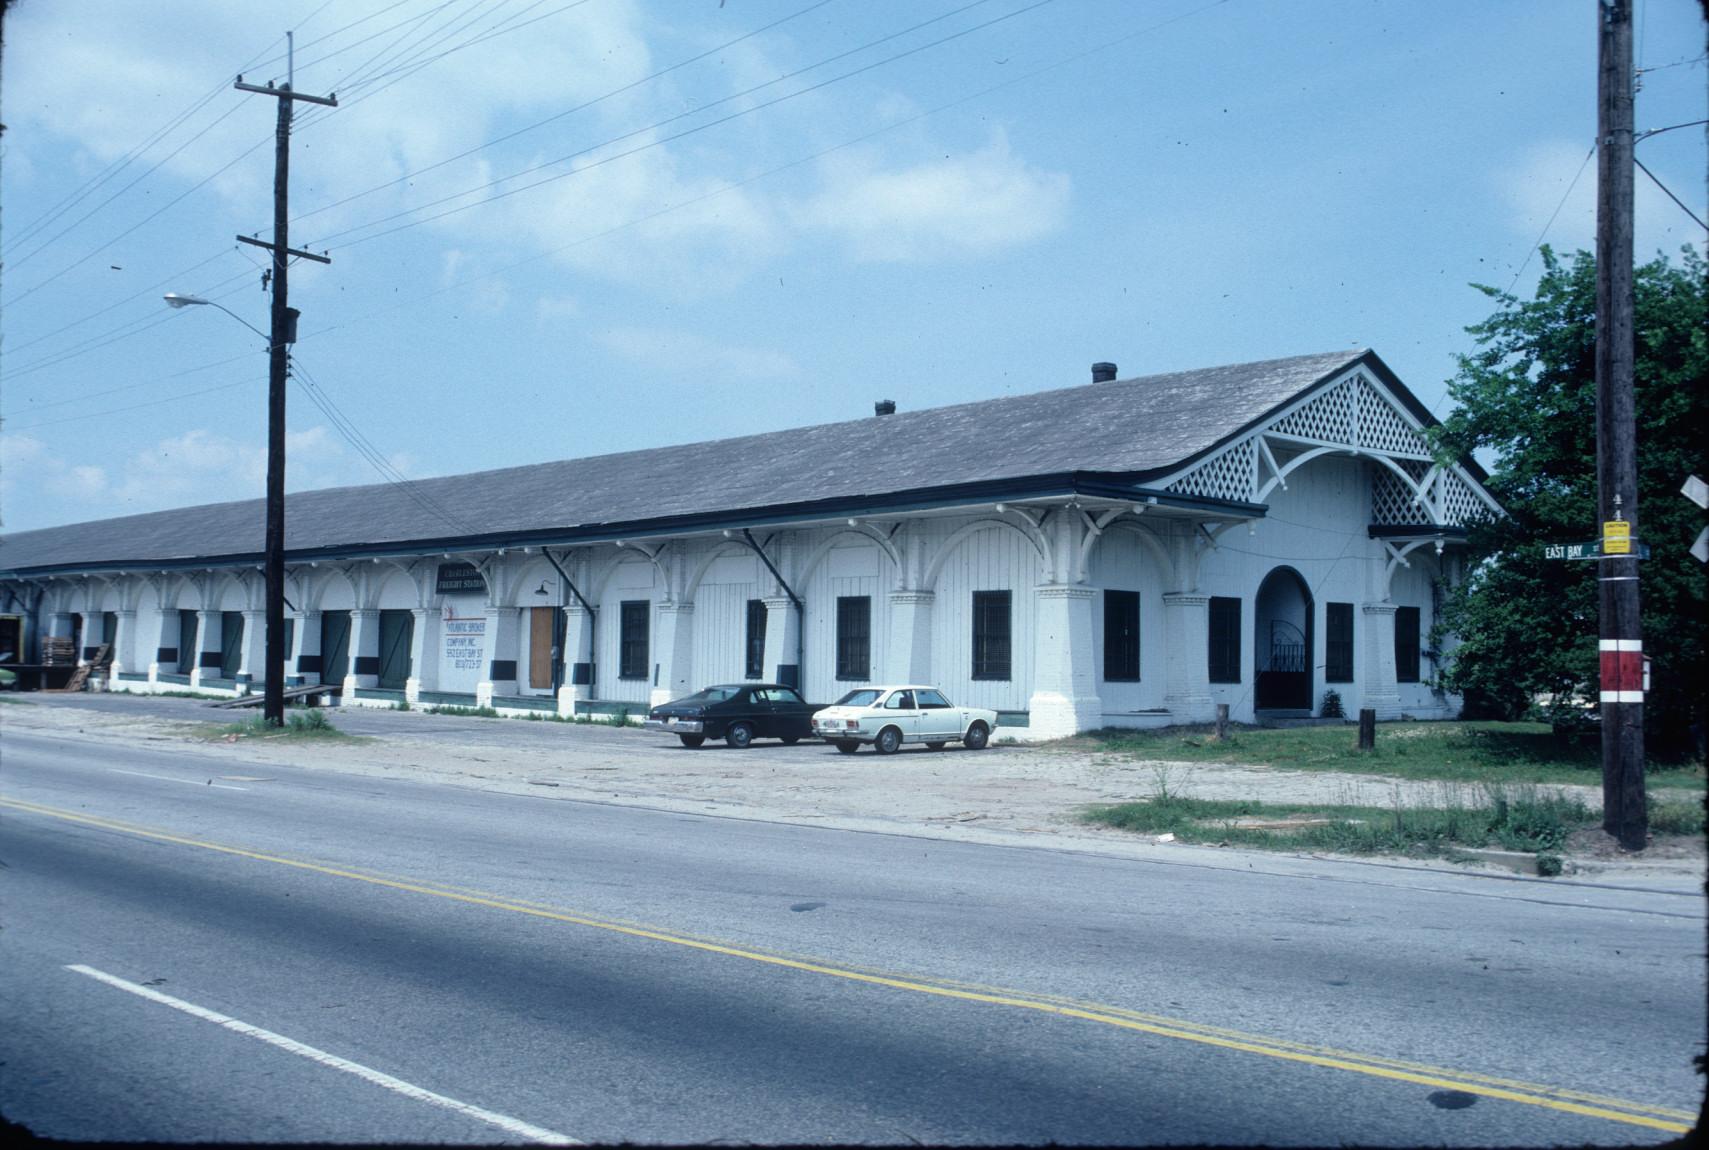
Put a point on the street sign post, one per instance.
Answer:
(1593, 549)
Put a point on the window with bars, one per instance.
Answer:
(1406, 644)
(755, 668)
(633, 618)
(1338, 642)
(991, 635)
(854, 637)
(1121, 636)
(1224, 656)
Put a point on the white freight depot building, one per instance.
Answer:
(1128, 553)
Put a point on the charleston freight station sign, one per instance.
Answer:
(459, 579)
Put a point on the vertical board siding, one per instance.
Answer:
(721, 618)
(1411, 588)
(1120, 562)
(720, 626)
(849, 568)
(990, 560)
(631, 579)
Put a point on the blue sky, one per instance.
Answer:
(757, 214)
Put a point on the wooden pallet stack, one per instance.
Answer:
(101, 661)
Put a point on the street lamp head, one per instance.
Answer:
(174, 299)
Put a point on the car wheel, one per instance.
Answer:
(978, 735)
(692, 740)
(889, 741)
(847, 746)
(791, 740)
(739, 735)
(934, 746)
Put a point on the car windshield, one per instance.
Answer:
(712, 695)
(863, 697)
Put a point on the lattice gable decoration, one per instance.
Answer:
(1354, 416)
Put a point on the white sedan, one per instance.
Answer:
(887, 717)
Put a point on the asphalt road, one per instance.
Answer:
(311, 956)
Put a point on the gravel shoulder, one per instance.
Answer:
(1008, 794)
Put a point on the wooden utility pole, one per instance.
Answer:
(283, 334)
(1622, 646)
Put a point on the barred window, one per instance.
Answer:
(756, 639)
(1224, 640)
(1406, 637)
(1338, 643)
(854, 637)
(632, 638)
(991, 635)
(1121, 636)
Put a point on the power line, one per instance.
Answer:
(735, 185)
(1552, 215)
(173, 279)
(365, 447)
(671, 138)
(115, 167)
(508, 136)
(891, 126)
(489, 34)
(417, 62)
(33, 407)
(139, 406)
(77, 195)
(1670, 195)
(170, 204)
(122, 332)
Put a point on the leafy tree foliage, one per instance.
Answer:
(1528, 625)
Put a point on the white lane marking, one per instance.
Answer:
(171, 779)
(504, 1122)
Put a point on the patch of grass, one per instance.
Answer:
(1467, 752)
(1519, 818)
(305, 724)
(1670, 816)
(464, 712)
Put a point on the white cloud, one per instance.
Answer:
(964, 205)
(662, 351)
(672, 224)
(194, 467)
(106, 75)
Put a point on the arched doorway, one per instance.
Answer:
(1282, 646)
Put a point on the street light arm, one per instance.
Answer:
(175, 300)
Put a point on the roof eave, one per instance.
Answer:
(1099, 485)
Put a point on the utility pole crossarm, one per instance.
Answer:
(253, 242)
(286, 92)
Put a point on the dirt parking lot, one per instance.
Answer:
(1008, 793)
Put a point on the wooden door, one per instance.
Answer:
(540, 635)
(397, 633)
(334, 646)
(231, 643)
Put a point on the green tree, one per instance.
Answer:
(1528, 625)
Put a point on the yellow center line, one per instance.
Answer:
(1570, 1101)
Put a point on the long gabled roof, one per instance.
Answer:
(1133, 429)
